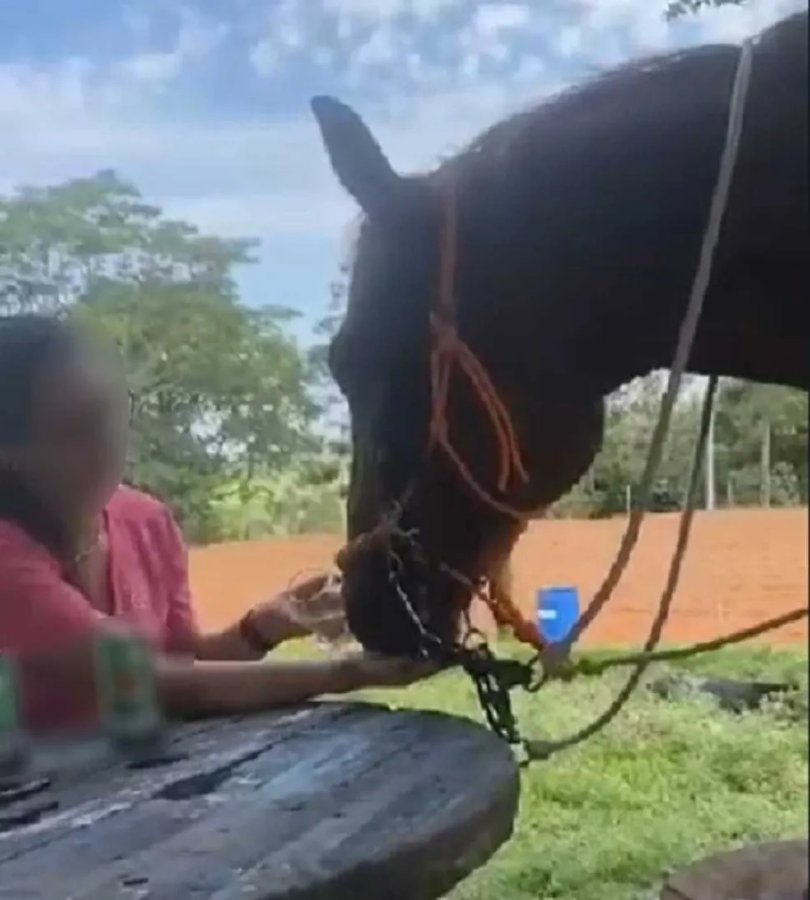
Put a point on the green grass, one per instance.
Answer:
(665, 784)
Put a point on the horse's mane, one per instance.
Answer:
(633, 80)
(629, 80)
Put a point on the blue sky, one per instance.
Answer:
(204, 103)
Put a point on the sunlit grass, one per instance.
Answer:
(666, 783)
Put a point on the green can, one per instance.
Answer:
(11, 735)
(127, 693)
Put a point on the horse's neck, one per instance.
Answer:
(610, 220)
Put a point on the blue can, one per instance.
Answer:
(557, 612)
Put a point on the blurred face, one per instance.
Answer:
(75, 450)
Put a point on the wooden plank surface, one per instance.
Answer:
(323, 801)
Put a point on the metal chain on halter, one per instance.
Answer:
(495, 678)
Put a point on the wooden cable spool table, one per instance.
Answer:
(328, 800)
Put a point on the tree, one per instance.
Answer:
(762, 432)
(631, 415)
(335, 417)
(334, 421)
(56, 242)
(223, 392)
(760, 448)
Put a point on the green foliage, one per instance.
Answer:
(55, 242)
(756, 421)
(747, 473)
(333, 406)
(305, 497)
(223, 392)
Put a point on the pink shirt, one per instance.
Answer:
(41, 611)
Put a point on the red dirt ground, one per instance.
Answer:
(742, 566)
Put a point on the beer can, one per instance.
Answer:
(12, 743)
(127, 693)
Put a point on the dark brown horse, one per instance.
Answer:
(579, 228)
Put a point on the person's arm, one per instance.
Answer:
(292, 613)
(226, 645)
(227, 688)
(50, 627)
(60, 672)
(250, 637)
(188, 688)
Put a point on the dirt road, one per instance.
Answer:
(742, 566)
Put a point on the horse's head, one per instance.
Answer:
(380, 358)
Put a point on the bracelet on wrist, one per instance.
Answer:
(252, 636)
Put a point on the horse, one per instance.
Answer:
(578, 226)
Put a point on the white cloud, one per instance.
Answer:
(470, 65)
(482, 44)
(529, 68)
(154, 67)
(430, 10)
(370, 11)
(735, 23)
(372, 33)
(67, 94)
(379, 48)
(265, 56)
(268, 213)
(196, 39)
(286, 30)
(136, 21)
(323, 56)
(383, 38)
(493, 18)
(291, 36)
(645, 30)
(28, 91)
(569, 41)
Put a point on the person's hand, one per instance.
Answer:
(369, 670)
(314, 606)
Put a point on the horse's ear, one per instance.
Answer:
(356, 157)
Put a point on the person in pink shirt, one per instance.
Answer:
(79, 553)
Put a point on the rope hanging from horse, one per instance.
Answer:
(494, 678)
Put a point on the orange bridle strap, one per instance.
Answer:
(449, 351)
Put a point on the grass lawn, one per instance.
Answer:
(666, 783)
